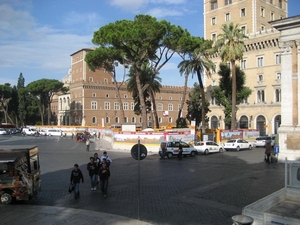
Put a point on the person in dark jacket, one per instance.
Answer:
(93, 172)
(104, 176)
(180, 152)
(76, 176)
(268, 151)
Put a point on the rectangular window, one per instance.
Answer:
(277, 95)
(132, 106)
(159, 119)
(107, 105)
(262, 12)
(125, 106)
(170, 107)
(243, 28)
(117, 106)
(271, 1)
(272, 16)
(159, 107)
(260, 78)
(278, 76)
(214, 4)
(278, 59)
(244, 64)
(261, 96)
(94, 105)
(227, 16)
(260, 61)
(243, 12)
(214, 37)
(213, 21)
(280, 3)
(228, 2)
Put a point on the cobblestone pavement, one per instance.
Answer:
(206, 189)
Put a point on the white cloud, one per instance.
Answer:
(163, 12)
(130, 5)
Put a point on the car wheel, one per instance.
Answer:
(250, 147)
(206, 152)
(169, 155)
(7, 198)
(193, 154)
(238, 148)
(221, 150)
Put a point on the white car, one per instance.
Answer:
(55, 132)
(43, 132)
(173, 149)
(29, 131)
(2, 131)
(206, 147)
(237, 144)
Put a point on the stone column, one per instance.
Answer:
(298, 77)
(286, 84)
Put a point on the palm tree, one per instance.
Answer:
(198, 63)
(230, 46)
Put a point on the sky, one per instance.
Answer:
(37, 37)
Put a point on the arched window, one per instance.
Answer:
(260, 125)
(214, 122)
(94, 119)
(117, 120)
(277, 122)
(244, 124)
(133, 119)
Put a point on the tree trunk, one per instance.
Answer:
(233, 101)
(154, 114)
(142, 100)
(186, 77)
(203, 124)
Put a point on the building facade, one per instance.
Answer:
(93, 99)
(261, 60)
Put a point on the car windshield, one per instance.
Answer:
(261, 138)
(231, 141)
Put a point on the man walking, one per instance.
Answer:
(93, 172)
(87, 142)
(104, 176)
(76, 176)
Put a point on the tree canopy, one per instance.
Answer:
(43, 91)
(142, 40)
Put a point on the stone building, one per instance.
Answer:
(261, 60)
(289, 43)
(93, 100)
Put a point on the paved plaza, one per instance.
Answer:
(206, 189)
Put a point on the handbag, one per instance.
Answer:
(71, 188)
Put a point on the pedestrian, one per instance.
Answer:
(268, 151)
(104, 177)
(76, 176)
(106, 158)
(163, 150)
(72, 135)
(93, 172)
(180, 152)
(87, 142)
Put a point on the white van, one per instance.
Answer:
(29, 131)
(55, 132)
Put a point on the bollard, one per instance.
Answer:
(242, 220)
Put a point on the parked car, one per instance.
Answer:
(2, 131)
(13, 130)
(29, 131)
(237, 144)
(42, 132)
(173, 149)
(260, 141)
(56, 132)
(206, 147)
